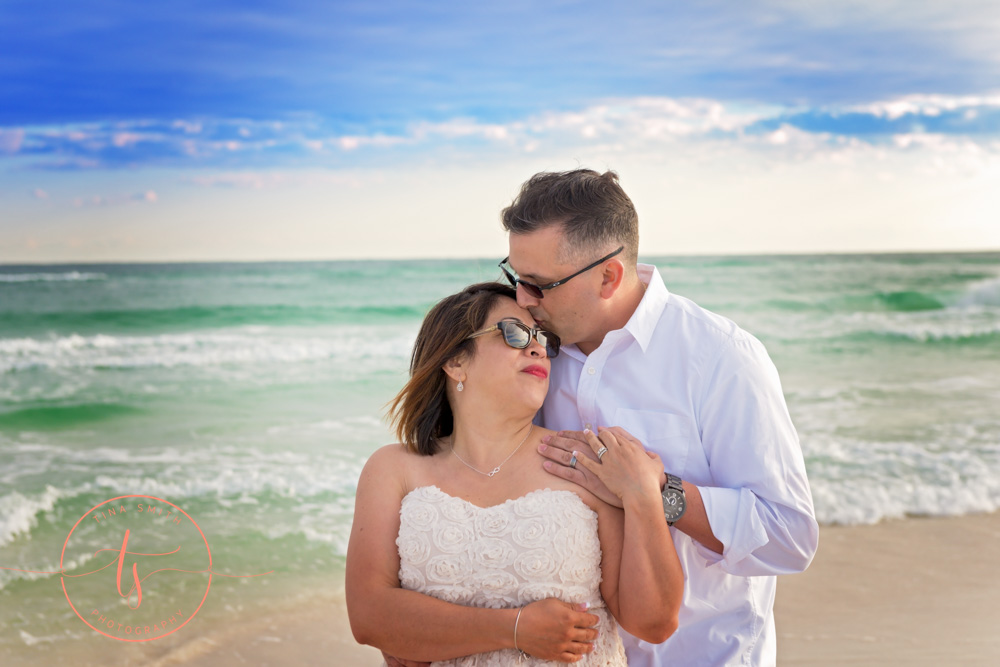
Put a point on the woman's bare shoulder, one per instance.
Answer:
(391, 453)
(388, 460)
(400, 463)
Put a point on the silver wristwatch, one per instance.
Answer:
(674, 502)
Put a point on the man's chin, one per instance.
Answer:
(548, 327)
(540, 321)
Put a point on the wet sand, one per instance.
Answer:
(919, 591)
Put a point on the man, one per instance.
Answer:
(693, 387)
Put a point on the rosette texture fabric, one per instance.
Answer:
(543, 544)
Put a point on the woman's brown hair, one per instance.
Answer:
(420, 413)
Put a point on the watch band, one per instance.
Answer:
(674, 499)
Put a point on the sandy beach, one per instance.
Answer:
(920, 591)
(900, 592)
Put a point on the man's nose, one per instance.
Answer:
(525, 300)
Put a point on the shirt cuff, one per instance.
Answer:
(734, 521)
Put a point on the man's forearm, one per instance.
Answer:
(760, 537)
(695, 523)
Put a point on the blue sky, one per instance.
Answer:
(256, 130)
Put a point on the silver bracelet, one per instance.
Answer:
(516, 619)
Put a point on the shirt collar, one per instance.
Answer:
(646, 316)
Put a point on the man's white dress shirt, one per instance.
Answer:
(704, 395)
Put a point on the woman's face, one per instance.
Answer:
(504, 373)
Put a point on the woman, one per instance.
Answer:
(462, 545)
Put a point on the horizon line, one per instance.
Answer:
(825, 253)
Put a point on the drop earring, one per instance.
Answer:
(460, 386)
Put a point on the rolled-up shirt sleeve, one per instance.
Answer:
(759, 504)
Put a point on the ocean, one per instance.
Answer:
(250, 395)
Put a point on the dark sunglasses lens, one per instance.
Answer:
(514, 282)
(532, 290)
(550, 341)
(509, 276)
(516, 335)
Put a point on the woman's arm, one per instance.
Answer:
(643, 582)
(420, 627)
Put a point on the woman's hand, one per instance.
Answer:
(390, 661)
(625, 467)
(549, 629)
(555, 630)
(558, 449)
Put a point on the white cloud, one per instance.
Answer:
(697, 129)
(926, 105)
(274, 180)
(459, 128)
(188, 127)
(350, 143)
(693, 129)
(149, 196)
(125, 139)
(703, 131)
(11, 139)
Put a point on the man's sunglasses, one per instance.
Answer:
(518, 335)
(536, 290)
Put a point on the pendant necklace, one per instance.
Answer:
(497, 469)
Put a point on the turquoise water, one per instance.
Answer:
(250, 394)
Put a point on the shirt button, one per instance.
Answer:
(591, 370)
(588, 427)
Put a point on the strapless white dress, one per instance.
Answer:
(543, 544)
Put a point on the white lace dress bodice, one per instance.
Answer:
(543, 544)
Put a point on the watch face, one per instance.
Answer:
(673, 504)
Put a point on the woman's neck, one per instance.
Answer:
(484, 440)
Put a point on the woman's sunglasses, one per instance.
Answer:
(518, 335)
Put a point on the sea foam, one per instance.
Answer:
(203, 349)
(68, 276)
(862, 482)
(19, 513)
(983, 293)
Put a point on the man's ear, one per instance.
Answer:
(611, 279)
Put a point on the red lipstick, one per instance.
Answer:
(536, 370)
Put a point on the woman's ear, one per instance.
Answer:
(455, 368)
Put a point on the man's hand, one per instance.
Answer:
(559, 449)
(626, 468)
(628, 464)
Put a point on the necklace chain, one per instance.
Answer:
(497, 469)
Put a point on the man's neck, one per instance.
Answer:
(624, 304)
